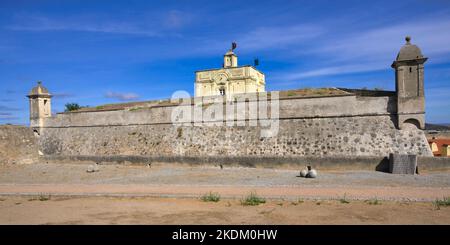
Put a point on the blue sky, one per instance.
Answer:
(97, 52)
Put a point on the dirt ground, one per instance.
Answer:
(116, 194)
(102, 210)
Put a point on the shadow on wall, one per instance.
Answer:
(394, 120)
(392, 109)
(383, 165)
(411, 124)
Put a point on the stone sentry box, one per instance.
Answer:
(402, 164)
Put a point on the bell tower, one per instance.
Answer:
(230, 58)
(40, 105)
(409, 76)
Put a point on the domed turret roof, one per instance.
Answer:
(39, 90)
(230, 52)
(409, 51)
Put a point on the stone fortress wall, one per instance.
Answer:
(18, 145)
(338, 125)
(328, 123)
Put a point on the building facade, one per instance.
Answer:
(440, 147)
(446, 150)
(230, 79)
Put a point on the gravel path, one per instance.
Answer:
(183, 181)
(182, 175)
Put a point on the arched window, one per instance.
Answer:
(411, 124)
(222, 91)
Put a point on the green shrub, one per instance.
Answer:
(211, 197)
(374, 201)
(44, 198)
(445, 202)
(252, 200)
(344, 200)
(72, 107)
(136, 108)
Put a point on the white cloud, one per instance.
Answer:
(334, 70)
(383, 43)
(42, 23)
(62, 95)
(122, 96)
(8, 117)
(176, 19)
(279, 37)
(7, 108)
(373, 49)
(263, 38)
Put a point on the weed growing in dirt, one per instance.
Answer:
(252, 200)
(211, 197)
(44, 198)
(445, 202)
(374, 201)
(299, 201)
(136, 108)
(344, 200)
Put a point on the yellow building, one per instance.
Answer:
(230, 79)
(434, 147)
(445, 151)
